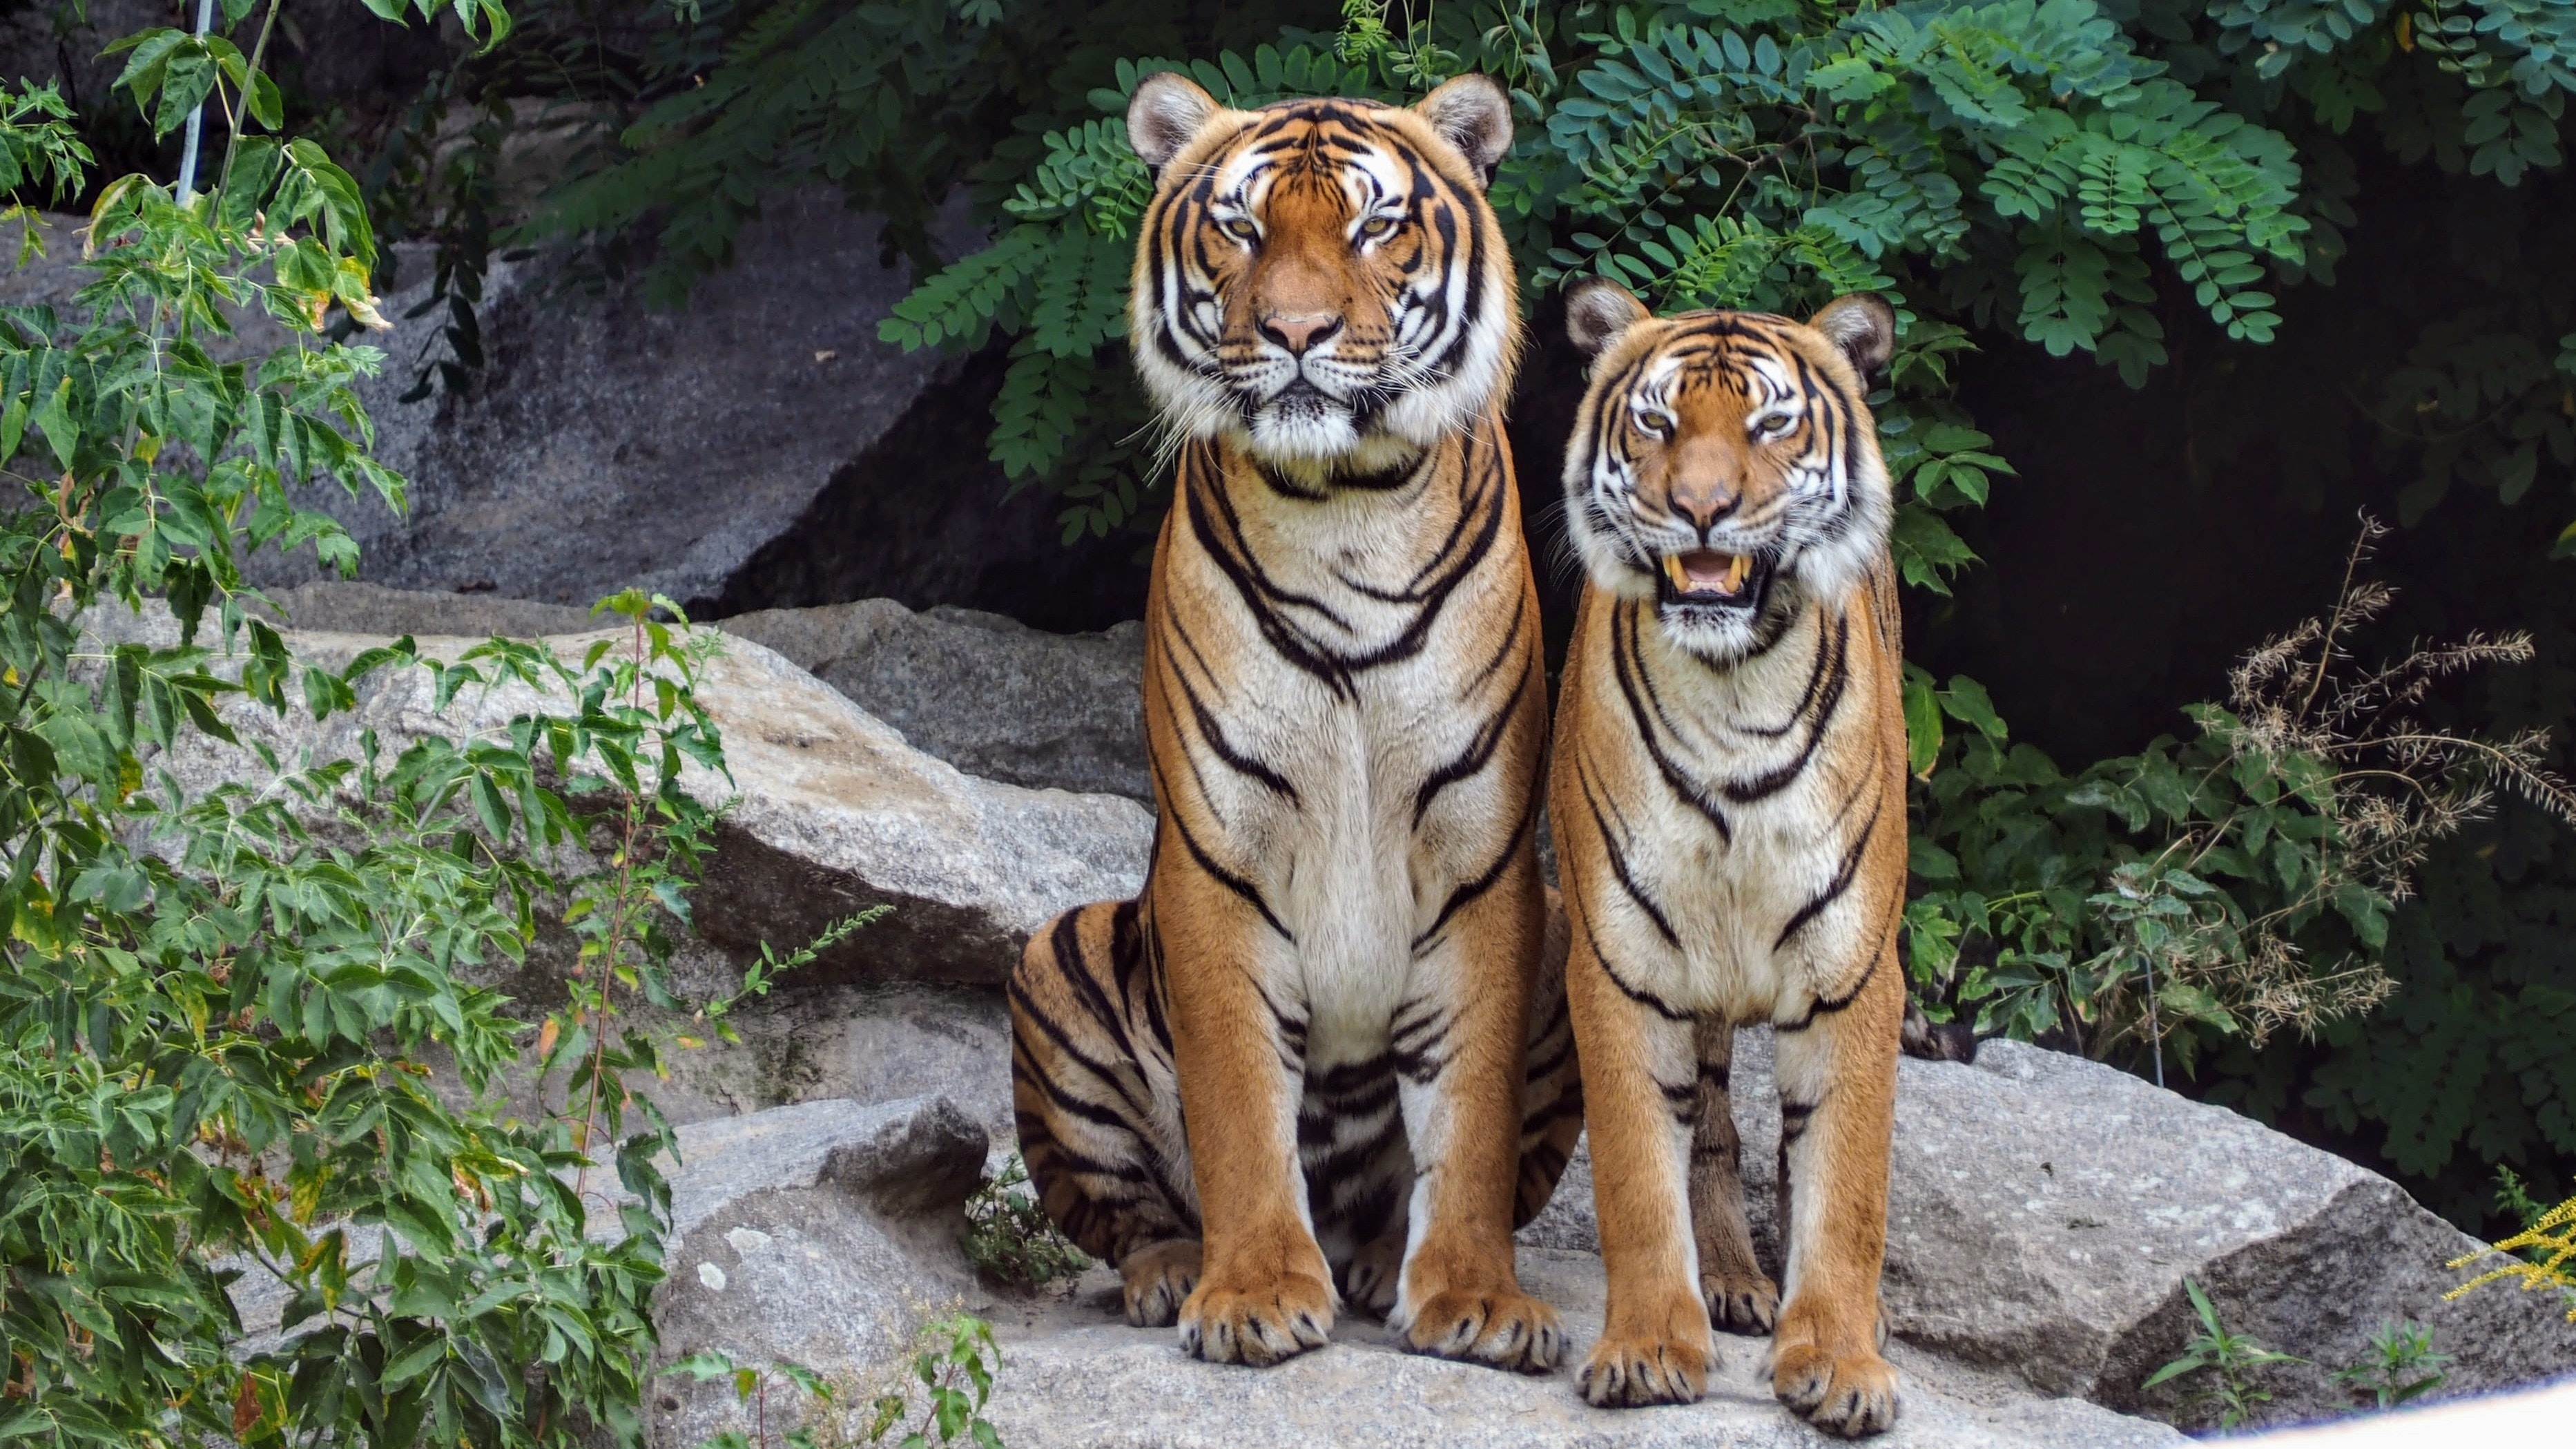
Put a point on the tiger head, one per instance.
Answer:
(1725, 464)
(1321, 282)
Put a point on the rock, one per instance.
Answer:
(608, 445)
(866, 1042)
(833, 812)
(985, 693)
(334, 606)
(1075, 1378)
(2044, 1211)
(817, 1234)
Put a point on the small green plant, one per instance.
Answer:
(2233, 1360)
(2541, 1257)
(953, 1360)
(751, 1390)
(2402, 1365)
(1010, 1238)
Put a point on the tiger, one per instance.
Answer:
(1321, 1060)
(1728, 798)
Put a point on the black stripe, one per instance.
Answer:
(1774, 781)
(1647, 999)
(1619, 861)
(1471, 891)
(1844, 874)
(1479, 752)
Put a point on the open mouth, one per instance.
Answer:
(1706, 576)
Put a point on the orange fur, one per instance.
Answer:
(1729, 804)
(1334, 976)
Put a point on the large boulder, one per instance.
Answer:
(984, 692)
(832, 812)
(2044, 1211)
(609, 445)
(816, 1234)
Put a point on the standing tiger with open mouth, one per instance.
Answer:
(1322, 1041)
(1728, 793)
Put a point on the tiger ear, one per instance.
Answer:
(1167, 110)
(1863, 326)
(1471, 113)
(1597, 311)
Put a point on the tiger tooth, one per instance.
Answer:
(1674, 571)
(1735, 570)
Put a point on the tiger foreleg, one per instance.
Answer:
(1837, 1119)
(1640, 1065)
(1741, 1297)
(1265, 1292)
(1460, 1054)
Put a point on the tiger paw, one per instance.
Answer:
(1257, 1325)
(1503, 1327)
(1627, 1372)
(1852, 1394)
(1369, 1283)
(1740, 1302)
(1154, 1280)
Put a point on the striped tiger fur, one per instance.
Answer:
(1728, 793)
(1324, 1042)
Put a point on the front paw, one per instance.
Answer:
(1740, 1302)
(1154, 1280)
(1369, 1283)
(1257, 1324)
(1852, 1394)
(1503, 1327)
(1628, 1371)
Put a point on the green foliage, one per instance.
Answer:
(953, 1363)
(1010, 1238)
(751, 1390)
(249, 1031)
(2232, 1360)
(1753, 155)
(2222, 886)
(2402, 1365)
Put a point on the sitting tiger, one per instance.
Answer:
(1728, 794)
(1322, 1042)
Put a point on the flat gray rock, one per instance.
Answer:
(988, 694)
(2044, 1211)
(1075, 1378)
(985, 693)
(831, 810)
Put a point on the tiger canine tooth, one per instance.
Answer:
(1674, 571)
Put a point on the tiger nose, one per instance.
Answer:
(1301, 331)
(1705, 506)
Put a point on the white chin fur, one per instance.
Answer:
(1302, 434)
(1715, 635)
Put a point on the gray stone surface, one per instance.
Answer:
(831, 812)
(867, 1042)
(2044, 1211)
(817, 1234)
(608, 445)
(985, 693)
(1075, 1378)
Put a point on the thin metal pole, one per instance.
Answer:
(196, 118)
